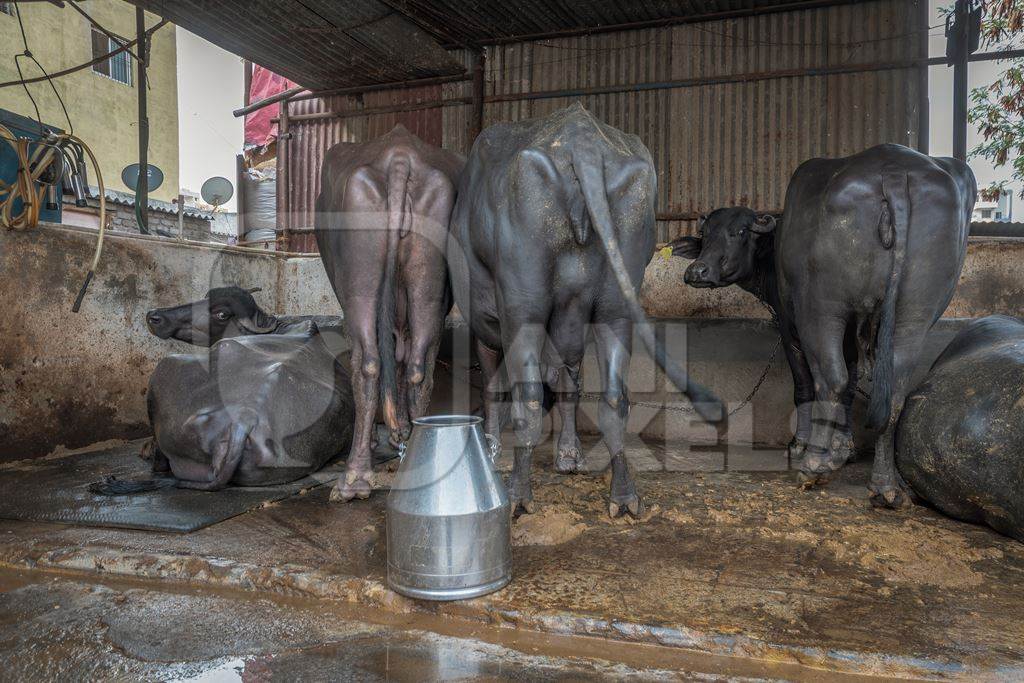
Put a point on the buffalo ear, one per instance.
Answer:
(763, 224)
(687, 247)
(259, 323)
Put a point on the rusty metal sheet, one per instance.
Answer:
(739, 142)
(713, 144)
(311, 138)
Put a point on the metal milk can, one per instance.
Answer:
(448, 526)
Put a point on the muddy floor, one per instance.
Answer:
(739, 564)
(60, 628)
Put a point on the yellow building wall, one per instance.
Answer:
(104, 112)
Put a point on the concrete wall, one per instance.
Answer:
(73, 379)
(991, 282)
(104, 112)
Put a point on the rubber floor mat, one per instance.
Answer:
(56, 489)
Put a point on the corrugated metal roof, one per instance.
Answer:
(127, 199)
(319, 44)
(484, 21)
(323, 44)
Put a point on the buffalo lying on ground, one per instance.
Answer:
(262, 409)
(228, 312)
(960, 440)
(551, 233)
(381, 224)
(865, 261)
(269, 405)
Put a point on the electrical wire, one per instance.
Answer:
(120, 40)
(85, 65)
(28, 54)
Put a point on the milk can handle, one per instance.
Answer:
(493, 446)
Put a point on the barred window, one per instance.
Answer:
(118, 67)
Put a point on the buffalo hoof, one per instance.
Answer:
(521, 506)
(890, 497)
(621, 505)
(809, 480)
(352, 485)
(520, 496)
(796, 449)
(568, 460)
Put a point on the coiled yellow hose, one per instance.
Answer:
(29, 191)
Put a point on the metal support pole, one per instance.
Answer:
(181, 216)
(142, 184)
(283, 221)
(960, 80)
(240, 197)
(246, 82)
(923, 100)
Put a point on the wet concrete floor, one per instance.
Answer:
(741, 566)
(63, 627)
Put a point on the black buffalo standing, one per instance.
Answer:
(960, 440)
(270, 403)
(551, 233)
(381, 225)
(865, 261)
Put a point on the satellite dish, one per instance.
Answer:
(130, 176)
(216, 191)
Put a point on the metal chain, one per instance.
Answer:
(595, 396)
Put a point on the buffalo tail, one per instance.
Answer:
(589, 168)
(896, 193)
(398, 182)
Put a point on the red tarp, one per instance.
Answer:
(259, 130)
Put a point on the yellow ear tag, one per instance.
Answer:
(666, 252)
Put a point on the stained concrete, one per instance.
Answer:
(736, 563)
(68, 380)
(70, 628)
(989, 283)
(71, 379)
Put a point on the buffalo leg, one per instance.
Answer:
(523, 353)
(842, 439)
(887, 487)
(357, 482)
(421, 357)
(829, 370)
(403, 408)
(569, 453)
(803, 393)
(493, 395)
(614, 346)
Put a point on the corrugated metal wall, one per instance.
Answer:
(310, 139)
(749, 100)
